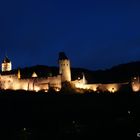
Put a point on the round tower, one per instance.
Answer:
(135, 84)
(6, 65)
(64, 67)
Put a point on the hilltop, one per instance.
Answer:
(119, 73)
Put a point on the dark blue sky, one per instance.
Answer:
(95, 34)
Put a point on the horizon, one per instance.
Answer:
(57, 66)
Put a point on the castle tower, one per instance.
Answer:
(6, 65)
(64, 67)
(135, 84)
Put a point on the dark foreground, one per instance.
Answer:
(33, 116)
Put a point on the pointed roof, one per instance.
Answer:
(34, 74)
(6, 60)
(62, 56)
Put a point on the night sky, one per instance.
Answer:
(95, 34)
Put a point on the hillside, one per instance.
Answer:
(119, 73)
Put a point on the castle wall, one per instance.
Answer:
(33, 84)
(20, 84)
(114, 87)
(6, 81)
(55, 81)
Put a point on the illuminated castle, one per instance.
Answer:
(6, 65)
(64, 67)
(14, 81)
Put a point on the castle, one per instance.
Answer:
(14, 81)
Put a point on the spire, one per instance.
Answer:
(84, 79)
(6, 60)
(62, 56)
(6, 53)
(19, 75)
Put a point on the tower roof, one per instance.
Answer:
(62, 56)
(34, 74)
(6, 60)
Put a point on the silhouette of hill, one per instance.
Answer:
(119, 73)
(40, 70)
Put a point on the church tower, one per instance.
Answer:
(6, 65)
(64, 67)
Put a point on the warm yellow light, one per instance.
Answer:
(19, 76)
(34, 75)
(37, 89)
(135, 88)
(57, 89)
(135, 78)
(113, 90)
(94, 89)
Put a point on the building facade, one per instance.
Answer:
(6, 65)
